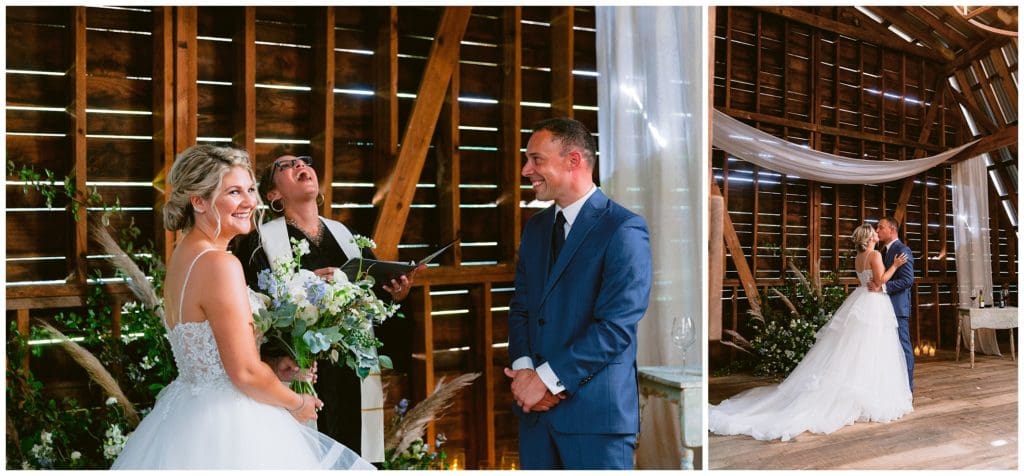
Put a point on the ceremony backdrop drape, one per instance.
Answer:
(765, 150)
(649, 98)
(971, 235)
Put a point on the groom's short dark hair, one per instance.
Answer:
(570, 133)
(892, 221)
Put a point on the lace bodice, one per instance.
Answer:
(195, 349)
(865, 276)
(196, 354)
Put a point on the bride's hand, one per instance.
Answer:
(306, 411)
(900, 260)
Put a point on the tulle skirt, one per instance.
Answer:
(856, 371)
(215, 426)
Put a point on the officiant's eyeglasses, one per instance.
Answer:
(289, 163)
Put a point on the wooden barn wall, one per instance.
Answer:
(103, 94)
(853, 98)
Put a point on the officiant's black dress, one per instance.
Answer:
(337, 386)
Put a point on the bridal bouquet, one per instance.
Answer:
(313, 319)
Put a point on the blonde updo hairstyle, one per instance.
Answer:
(199, 171)
(860, 237)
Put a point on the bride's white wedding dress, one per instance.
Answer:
(201, 421)
(855, 371)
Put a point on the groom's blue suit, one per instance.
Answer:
(898, 287)
(581, 318)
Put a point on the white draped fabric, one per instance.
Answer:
(971, 235)
(765, 150)
(650, 100)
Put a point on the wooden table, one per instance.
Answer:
(683, 388)
(986, 318)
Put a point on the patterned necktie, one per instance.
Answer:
(557, 237)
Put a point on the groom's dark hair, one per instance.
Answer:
(892, 221)
(571, 133)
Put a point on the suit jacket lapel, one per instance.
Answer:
(589, 216)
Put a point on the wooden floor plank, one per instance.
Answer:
(963, 418)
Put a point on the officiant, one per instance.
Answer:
(353, 409)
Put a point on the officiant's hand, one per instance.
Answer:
(326, 274)
(527, 388)
(400, 287)
(287, 370)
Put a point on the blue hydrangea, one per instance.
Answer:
(316, 341)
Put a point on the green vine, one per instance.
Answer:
(49, 432)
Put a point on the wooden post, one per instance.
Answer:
(385, 101)
(562, 50)
(163, 122)
(483, 442)
(509, 213)
(322, 120)
(244, 44)
(76, 259)
(420, 128)
(186, 59)
(446, 151)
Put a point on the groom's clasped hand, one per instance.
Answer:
(529, 391)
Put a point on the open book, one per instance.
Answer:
(384, 271)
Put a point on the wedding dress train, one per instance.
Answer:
(202, 421)
(855, 371)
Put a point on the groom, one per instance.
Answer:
(899, 286)
(582, 284)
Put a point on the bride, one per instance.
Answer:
(226, 409)
(855, 371)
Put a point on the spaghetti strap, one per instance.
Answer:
(184, 284)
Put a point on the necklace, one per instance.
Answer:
(316, 238)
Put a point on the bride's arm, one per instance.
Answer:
(226, 305)
(881, 275)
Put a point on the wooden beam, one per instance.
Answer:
(509, 213)
(894, 15)
(244, 44)
(186, 60)
(937, 103)
(837, 131)
(55, 296)
(1001, 138)
(861, 33)
(908, 183)
(988, 95)
(322, 110)
(449, 173)
(978, 51)
(440, 66)
(966, 98)
(944, 30)
(385, 100)
(901, 203)
(562, 49)
(78, 79)
(997, 58)
(163, 123)
(739, 260)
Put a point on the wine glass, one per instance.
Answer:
(974, 297)
(683, 335)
